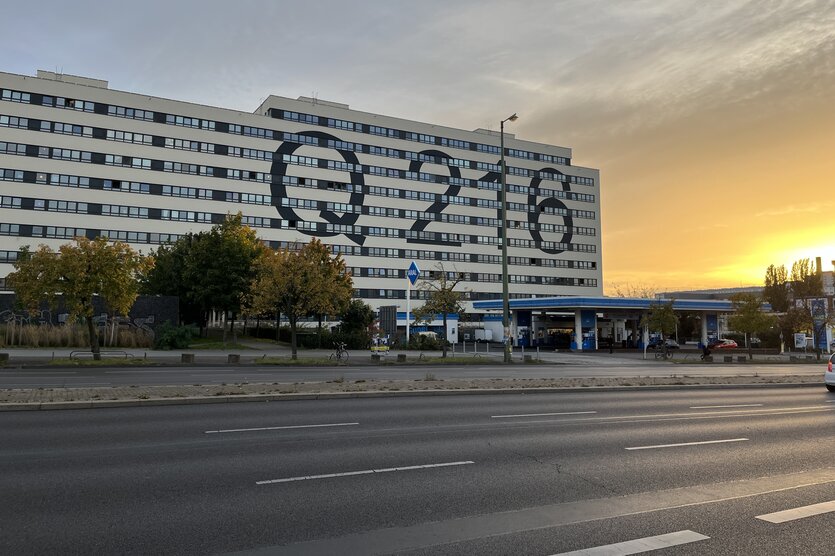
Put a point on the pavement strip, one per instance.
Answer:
(798, 513)
(283, 427)
(638, 546)
(364, 472)
(687, 444)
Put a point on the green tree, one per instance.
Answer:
(660, 317)
(441, 297)
(210, 271)
(295, 283)
(776, 290)
(357, 317)
(78, 272)
(749, 317)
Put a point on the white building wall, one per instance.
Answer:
(27, 188)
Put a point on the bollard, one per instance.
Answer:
(537, 352)
(233, 359)
(187, 358)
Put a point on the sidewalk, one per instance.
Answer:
(484, 355)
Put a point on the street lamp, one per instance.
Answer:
(505, 294)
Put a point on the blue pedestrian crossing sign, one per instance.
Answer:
(413, 273)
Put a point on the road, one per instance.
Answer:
(537, 474)
(122, 376)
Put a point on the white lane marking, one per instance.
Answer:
(364, 472)
(724, 406)
(799, 513)
(687, 444)
(638, 546)
(284, 427)
(542, 414)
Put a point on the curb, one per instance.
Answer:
(99, 404)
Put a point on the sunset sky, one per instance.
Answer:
(712, 123)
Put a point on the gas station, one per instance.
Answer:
(579, 323)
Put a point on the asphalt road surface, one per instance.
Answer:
(737, 471)
(145, 376)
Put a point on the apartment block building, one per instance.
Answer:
(80, 159)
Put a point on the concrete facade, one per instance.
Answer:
(77, 158)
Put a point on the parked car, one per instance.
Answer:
(654, 343)
(829, 375)
(722, 343)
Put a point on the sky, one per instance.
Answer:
(712, 122)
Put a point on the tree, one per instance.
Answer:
(805, 281)
(661, 318)
(441, 298)
(749, 317)
(209, 271)
(357, 317)
(330, 282)
(78, 272)
(776, 290)
(296, 282)
(629, 290)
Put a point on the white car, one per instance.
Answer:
(829, 375)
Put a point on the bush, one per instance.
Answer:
(169, 336)
(426, 343)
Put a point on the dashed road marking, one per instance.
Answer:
(542, 414)
(724, 406)
(638, 546)
(363, 472)
(799, 513)
(284, 427)
(687, 444)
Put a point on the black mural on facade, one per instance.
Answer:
(279, 190)
(438, 206)
(533, 217)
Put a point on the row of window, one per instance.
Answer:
(345, 250)
(343, 166)
(400, 193)
(211, 125)
(264, 222)
(88, 157)
(252, 198)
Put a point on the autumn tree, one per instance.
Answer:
(749, 317)
(330, 282)
(441, 297)
(776, 290)
(299, 283)
(78, 272)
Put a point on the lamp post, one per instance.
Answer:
(505, 294)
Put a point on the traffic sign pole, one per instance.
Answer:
(411, 275)
(408, 307)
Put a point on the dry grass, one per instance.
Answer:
(40, 336)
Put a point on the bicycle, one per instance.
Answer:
(662, 352)
(339, 353)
